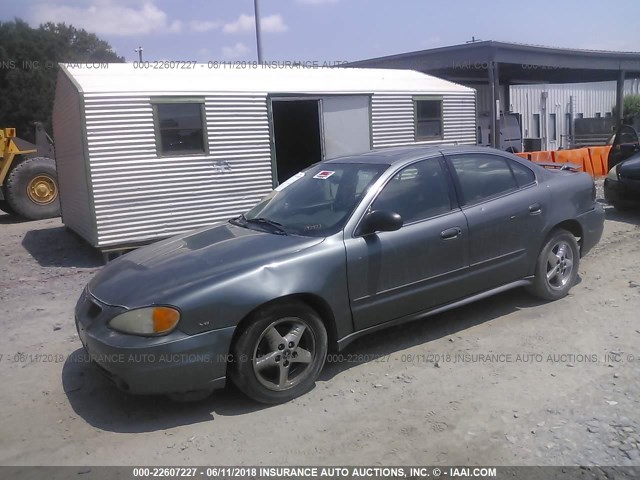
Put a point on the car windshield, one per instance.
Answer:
(316, 202)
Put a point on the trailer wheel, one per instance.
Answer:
(32, 189)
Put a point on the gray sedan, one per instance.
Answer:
(344, 248)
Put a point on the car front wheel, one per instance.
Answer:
(556, 267)
(279, 353)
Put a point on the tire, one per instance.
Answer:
(557, 266)
(264, 363)
(32, 189)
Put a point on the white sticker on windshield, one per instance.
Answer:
(324, 174)
(285, 184)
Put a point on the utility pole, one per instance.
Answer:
(258, 39)
(139, 52)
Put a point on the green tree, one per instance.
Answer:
(630, 108)
(29, 60)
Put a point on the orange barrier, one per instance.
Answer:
(545, 156)
(599, 159)
(593, 160)
(579, 156)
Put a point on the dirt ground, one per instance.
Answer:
(507, 381)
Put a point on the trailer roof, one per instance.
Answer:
(200, 78)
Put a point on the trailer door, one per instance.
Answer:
(346, 122)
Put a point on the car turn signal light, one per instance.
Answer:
(164, 319)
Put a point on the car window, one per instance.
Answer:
(416, 192)
(482, 176)
(524, 175)
(318, 201)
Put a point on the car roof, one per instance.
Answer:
(407, 154)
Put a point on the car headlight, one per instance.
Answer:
(146, 321)
(613, 173)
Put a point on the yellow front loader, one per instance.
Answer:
(28, 182)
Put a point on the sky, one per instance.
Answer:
(331, 30)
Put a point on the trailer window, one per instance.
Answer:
(428, 113)
(180, 128)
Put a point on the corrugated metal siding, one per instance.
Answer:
(459, 116)
(392, 120)
(589, 98)
(139, 196)
(71, 165)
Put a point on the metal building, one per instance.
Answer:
(494, 68)
(547, 111)
(144, 154)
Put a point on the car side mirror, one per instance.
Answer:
(380, 221)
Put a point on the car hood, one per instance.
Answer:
(151, 274)
(630, 168)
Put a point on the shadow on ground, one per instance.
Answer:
(401, 337)
(630, 215)
(103, 406)
(100, 404)
(59, 247)
(6, 219)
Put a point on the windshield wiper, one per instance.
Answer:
(275, 226)
(240, 220)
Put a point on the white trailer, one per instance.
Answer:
(145, 153)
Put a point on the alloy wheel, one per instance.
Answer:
(559, 265)
(284, 354)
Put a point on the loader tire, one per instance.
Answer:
(32, 189)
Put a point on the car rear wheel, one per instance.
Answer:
(557, 266)
(280, 353)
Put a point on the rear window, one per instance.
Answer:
(524, 175)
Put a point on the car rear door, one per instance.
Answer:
(399, 273)
(505, 208)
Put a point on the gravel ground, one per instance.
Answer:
(506, 381)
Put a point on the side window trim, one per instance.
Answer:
(458, 186)
(155, 101)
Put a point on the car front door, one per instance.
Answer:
(399, 273)
(505, 208)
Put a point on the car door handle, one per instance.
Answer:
(450, 233)
(535, 209)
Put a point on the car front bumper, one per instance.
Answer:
(622, 192)
(592, 223)
(175, 363)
